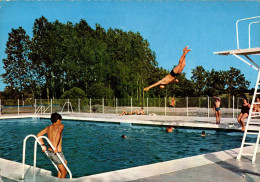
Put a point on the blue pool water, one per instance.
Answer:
(91, 147)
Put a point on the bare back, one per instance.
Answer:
(54, 133)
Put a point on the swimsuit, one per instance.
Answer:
(217, 109)
(172, 73)
(55, 158)
(245, 109)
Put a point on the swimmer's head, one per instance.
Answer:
(123, 136)
(55, 117)
(161, 86)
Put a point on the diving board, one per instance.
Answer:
(248, 51)
(238, 53)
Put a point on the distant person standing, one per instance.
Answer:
(244, 113)
(1, 109)
(216, 107)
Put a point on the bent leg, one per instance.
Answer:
(239, 119)
(242, 121)
(123, 113)
(62, 170)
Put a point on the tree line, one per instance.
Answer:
(74, 60)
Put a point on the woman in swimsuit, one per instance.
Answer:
(244, 113)
(173, 74)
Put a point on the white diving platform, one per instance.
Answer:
(238, 53)
(248, 51)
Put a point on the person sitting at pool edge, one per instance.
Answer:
(173, 74)
(54, 133)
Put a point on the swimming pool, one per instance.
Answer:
(91, 147)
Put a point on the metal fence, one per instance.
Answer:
(183, 106)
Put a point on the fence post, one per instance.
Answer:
(237, 105)
(233, 106)
(147, 105)
(35, 106)
(90, 105)
(116, 105)
(187, 103)
(18, 106)
(103, 104)
(51, 105)
(208, 106)
(165, 106)
(79, 104)
(131, 104)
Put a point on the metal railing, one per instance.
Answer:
(249, 28)
(35, 150)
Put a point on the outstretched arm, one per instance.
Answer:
(153, 85)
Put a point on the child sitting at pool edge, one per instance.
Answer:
(54, 133)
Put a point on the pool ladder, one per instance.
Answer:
(256, 124)
(35, 150)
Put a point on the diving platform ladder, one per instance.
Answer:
(252, 127)
(35, 150)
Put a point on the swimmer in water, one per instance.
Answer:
(123, 136)
(169, 129)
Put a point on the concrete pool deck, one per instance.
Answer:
(213, 167)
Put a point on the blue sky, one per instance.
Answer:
(206, 26)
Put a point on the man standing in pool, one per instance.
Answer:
(173, 74)
(54, 133)
(216, 107)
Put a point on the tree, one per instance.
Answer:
(16, 65)
(215, 83)
(198, 79)
(74, 93)
(236, 83)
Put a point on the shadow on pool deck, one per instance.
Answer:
(231, 170)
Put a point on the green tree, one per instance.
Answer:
(16, 65)
(74, 93)
(215, 82)
(236, 83)
(199, 75)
